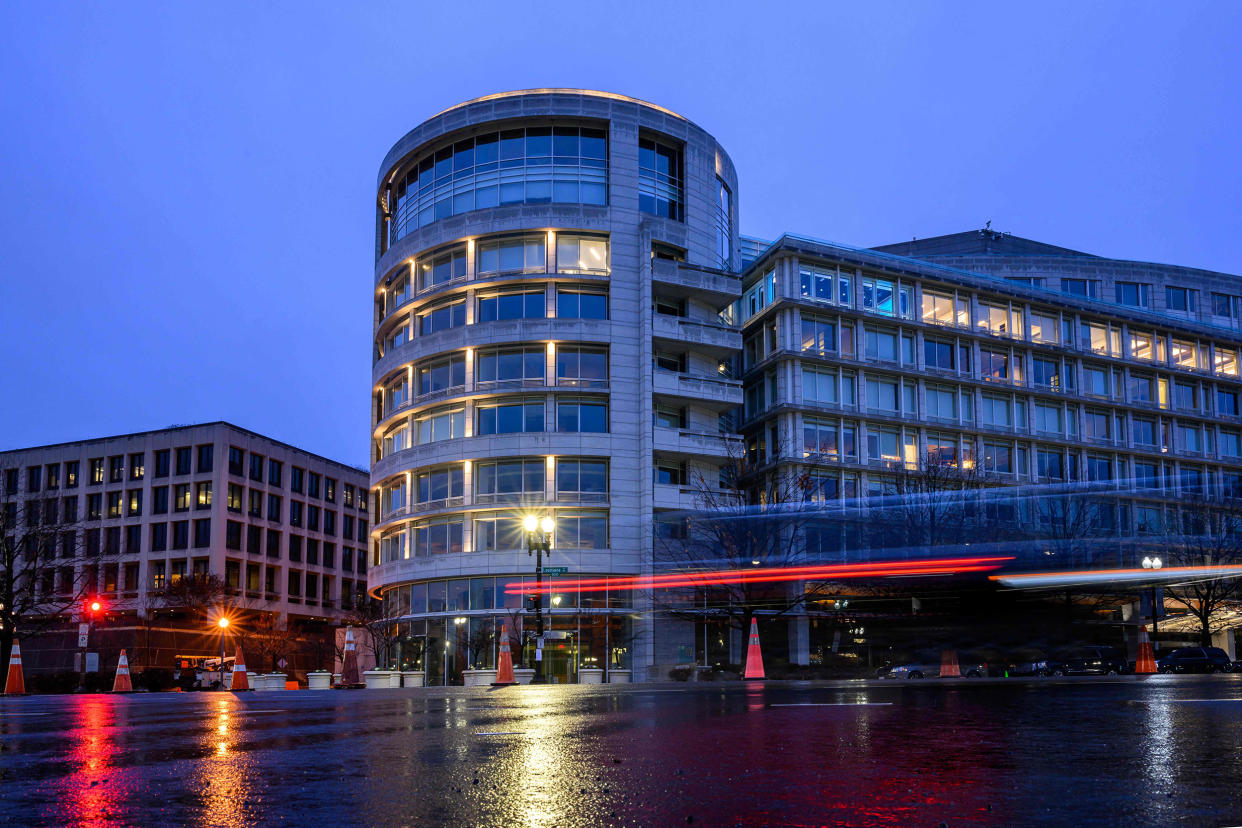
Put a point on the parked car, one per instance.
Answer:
(1195, 660)
(1093, 661)
(918, 670)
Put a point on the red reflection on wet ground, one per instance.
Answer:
(93, 792)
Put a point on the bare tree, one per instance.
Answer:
(750, 518)
(379, 619)
(1207, 533)
(39, 576)
(198, 595)
(936, 504)
(268, 639)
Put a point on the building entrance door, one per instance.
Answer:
(560, 658)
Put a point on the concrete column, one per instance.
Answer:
(1225, 639)
(800, 640)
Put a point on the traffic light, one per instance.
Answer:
(94, 606)
(530, 604)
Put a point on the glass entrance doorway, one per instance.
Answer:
(560, 657)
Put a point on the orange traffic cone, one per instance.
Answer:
(349, 670)
(15, 684)
(122, 683)
(948, 664)
(240, 680)
(754, 658)
(504, 672)
(1146, 662)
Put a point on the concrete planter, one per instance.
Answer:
(275, 681)
(619, 676)
(590, 675)
(394, 679)
(478, 678)
(413, 678)
(378, 679)
(319, 680)
(523, 675)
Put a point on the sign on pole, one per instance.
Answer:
(84, 631)
(555, 570)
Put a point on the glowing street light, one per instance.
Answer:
(538, 541)
(1154, 563)
(223, 624)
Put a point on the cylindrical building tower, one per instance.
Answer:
(550, 268)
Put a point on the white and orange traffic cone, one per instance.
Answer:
(349, 669)
(948, 664)
(754, 657)
(1146, 661)
(504, 670)
(122, 683)
(240, 680)
(15, 684)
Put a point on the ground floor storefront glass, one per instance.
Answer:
(447, 627)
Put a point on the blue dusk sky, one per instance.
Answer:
(187, 190)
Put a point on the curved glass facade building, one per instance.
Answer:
(550, 270)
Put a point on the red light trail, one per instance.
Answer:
(879, 569)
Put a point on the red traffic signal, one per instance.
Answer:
(93, 605)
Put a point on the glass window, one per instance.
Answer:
(439, 485)
(1183, 354)
(582, 480)
(442, 424)
(509, 367)
(443, 266)
(582, 367)
(881, 394)
(817, 284)
(512, 254)
(581, 303)
(441, 375)
(522, 304)
(660, 179)
(1133, 294)
(582, 416)
(585, 531)
(511, 417)
(581, 254)
(532, 165)
(438, 537)
(819, 336)
(1179, 299)
(450, 315)
(510, 480)
(880, 345)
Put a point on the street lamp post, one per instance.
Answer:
(457, 622)
(538, 541)
(1154, 563)
(223, 624)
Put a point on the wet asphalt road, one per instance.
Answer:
(1165, 750)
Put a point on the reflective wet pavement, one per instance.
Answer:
(1159, 751)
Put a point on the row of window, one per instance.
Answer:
(570, 302)
(840, 440)
(500, 481)
(513, 254)
(503, 592)
(258, 503)
(509, 367)
(111, 469)
(313, 484)
(521, 416)
(314, 587)
(825, 385)
(836, 388)
(257, 540)
(532, 165)
(494, 532)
